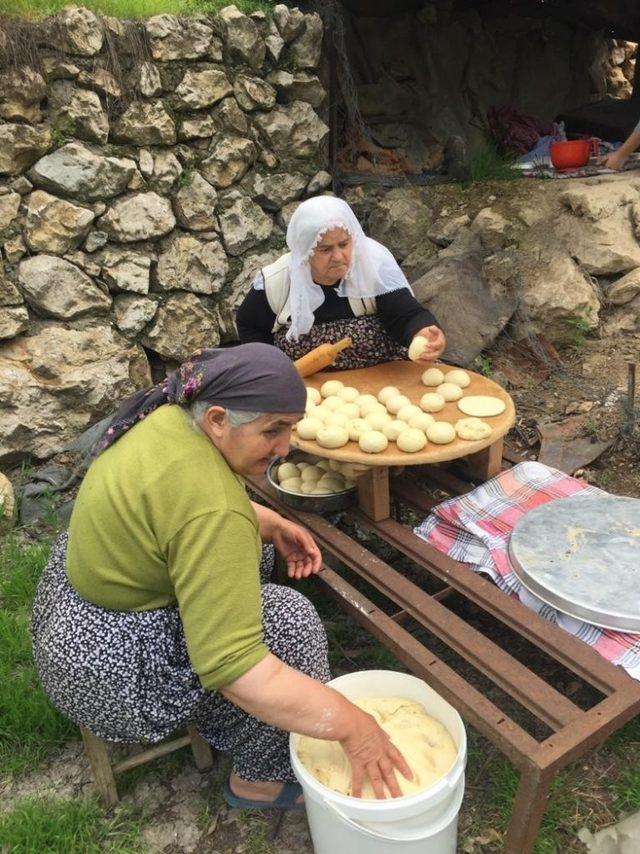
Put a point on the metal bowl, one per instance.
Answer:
(330, 503)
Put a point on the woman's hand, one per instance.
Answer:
(614, 160)
(372, 755)
(436, 342)
(297, 547)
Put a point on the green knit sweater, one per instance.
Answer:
(160, 520)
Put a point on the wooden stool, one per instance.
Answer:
(104, 770)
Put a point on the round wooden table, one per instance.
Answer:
(484, 456)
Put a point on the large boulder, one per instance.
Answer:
(229, 161)
(243, 224)
(292, 130)
(400, 221)
(195, 204)
(201, 88)
(174, 38)
(181, 325)
(142, 216)
(20, 146)
(242, 40)
(192, 265)
(59, 289)
(55, 225)
(146, 123)
(21, 91)
(75, 171)
(471, 311)
(63, 377)
(78, 31)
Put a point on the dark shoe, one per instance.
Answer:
(286, 800)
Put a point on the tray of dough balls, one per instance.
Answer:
(314, 485)
(402, 413)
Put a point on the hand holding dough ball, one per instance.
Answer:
(331, 387)
(481, 405)
(441, 433)
(432, 402)
(313, 396)
(349, 393)
(417, 347)
(432, 377)
(408, 412)
(411, 440)
(472, 429)
(377, 420)
(357, 426)
(385, 393)
(308, 429)
(333, 402)
(373, 442)
(286, 471)
(392, 429)
(332, 437)
(421, 421)
(395, 404)
(450, 391)
(458, 377)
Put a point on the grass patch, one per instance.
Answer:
(487, 164)
(30, 9)
(626, 791)
(67, 827)
(29, 725)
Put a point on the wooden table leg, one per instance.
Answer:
(373, 493)
(488, 462)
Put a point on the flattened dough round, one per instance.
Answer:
(441, 432)
(432, 376)
(481, 405)
(472, 429)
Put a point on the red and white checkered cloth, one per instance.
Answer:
(474, 529)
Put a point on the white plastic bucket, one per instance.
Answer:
(424, 823)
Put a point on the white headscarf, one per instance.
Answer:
(373, 271)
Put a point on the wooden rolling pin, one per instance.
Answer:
(320, 357)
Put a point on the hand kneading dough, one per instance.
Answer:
(450, 391)
(425, 743)
(349, 393)
(308, 428)
(422, 420)
(313, 396)
(432, 402)
(441, 433)
(332, 437)
(373, 442)
(458, 377)
(417, 347)
(481, 405)
(411, 440)
(395, 404)
(388, 391)
(432, 376)
(331, 387)
(472, 429)
(392, 429)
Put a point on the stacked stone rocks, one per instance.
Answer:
(621, 67)
(146, 172)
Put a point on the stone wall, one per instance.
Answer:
(147, 170)
(621, 67)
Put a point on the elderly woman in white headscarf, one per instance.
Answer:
(336, 282)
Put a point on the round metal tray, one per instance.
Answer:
(581, 555)
(331, 503)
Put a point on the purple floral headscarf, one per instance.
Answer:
(251, 378)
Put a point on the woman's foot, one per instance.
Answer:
(267, 790)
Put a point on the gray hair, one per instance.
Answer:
(236, 417)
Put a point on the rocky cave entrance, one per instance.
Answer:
(413, 84)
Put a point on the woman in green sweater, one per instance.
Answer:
(151, 614)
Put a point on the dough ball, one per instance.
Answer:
(334, 465)
(388, 391)
(357, 426)
(321, 490)
(395, 404)
(313, 395)
(308, 428)
(417, 347)
(351, 410)
(481, 405)
(332, 402)
(411, 440)
(287, 470)
(351, 472)
(441, 433)
(291, 484)
(349, 393)
(392, 429)
(373, 442)
(421, 421)
(324, 464)
(370, 406)
(336, 419)
(311, 473)
(308, 486)
(408, 412)
(321, 412)
(450, 391)
(432, 402)
(301, 466)
(376, 420)
(332, 437)
(331, 387)
(458, 377)
(432, 376)
(367, 398)
(332, 484)
(472, 429)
